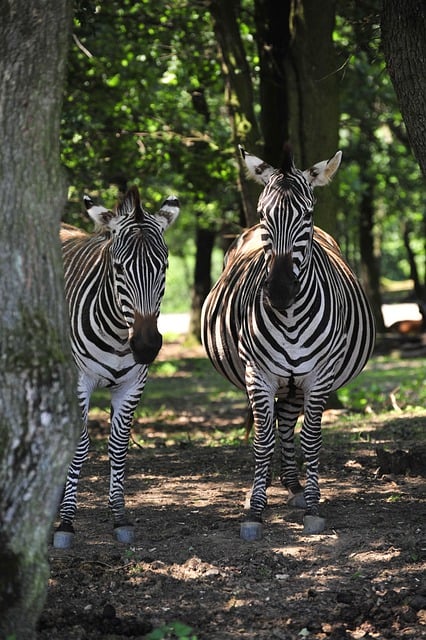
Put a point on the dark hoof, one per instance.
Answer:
(125, 533)
(297, 500)
(313, 524)
(63, 539)
(251, 531)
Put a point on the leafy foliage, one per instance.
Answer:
(375, 147)
(145, 105)
(172, 630)
(130, 113)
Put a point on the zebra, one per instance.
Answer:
(288, 322)
(114, 283)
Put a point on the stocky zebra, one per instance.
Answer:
(114, 283)
(288, 322)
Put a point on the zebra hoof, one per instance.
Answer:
(125, 533)
(251, 531)
(297, 500)
(63, 539)
(313, 524)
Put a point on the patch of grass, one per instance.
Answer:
(187, 402)
(387, 383)
(172, 630)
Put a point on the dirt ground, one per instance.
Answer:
(362, 578)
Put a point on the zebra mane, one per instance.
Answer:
(131, 204)
(287, 164)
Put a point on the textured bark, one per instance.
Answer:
(403, 26)
(39, 418)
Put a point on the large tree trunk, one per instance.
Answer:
(39, 417)
(403, 27)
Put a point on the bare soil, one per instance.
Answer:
(362, 578)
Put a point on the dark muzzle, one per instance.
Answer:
(281, 285)
(146, 340)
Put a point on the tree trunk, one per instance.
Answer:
(403, 26)
(39, 417)
(370, 269)
(311, 69)
(273, 39)
(202, 277)
(298, 88)
(239, 96)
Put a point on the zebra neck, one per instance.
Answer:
(108, 316)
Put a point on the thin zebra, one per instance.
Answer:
(288, 322)
(114, 283)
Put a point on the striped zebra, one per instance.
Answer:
(288, 322)
(114, 283)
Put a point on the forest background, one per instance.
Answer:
(160, 95)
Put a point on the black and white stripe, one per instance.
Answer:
(114, 283)
(288, 322)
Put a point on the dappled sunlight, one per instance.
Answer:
(189, 471)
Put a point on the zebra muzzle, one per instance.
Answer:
(282, 285)
(145, 339)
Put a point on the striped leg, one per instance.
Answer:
(122, 412)
(311, 440)
(287, 414)
(261, 396)
(64, 533)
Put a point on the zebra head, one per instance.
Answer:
(136, 268)
(285, 208)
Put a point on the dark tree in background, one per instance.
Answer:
(298, 86)
(403, 26)
(239, 94)
(39, 417)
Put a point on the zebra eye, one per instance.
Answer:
(118, 268)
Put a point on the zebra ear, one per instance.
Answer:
(257, 168)
(323, 172)
(98, 213)
(168, 212)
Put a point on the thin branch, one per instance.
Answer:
(81, 46)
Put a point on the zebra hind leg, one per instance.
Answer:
(64, 533)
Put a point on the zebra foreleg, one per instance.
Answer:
(64, 533)
(262, 403)
(311, 440)
(121, 420)
(287, 414)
